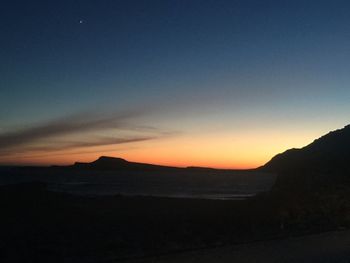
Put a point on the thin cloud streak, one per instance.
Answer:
(53, 136)
(81, 151)
(59, 149)
(93, 143)
(77, 123)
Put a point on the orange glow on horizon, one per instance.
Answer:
(224, 151)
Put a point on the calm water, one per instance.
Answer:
(214, 184)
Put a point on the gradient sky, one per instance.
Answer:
(212, 83)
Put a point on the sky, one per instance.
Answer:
(225, 84)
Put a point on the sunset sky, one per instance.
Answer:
(225, 84)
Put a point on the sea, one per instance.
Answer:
(185, 183)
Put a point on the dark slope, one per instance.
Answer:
(328, 154)
(312, 188)
(320, 168)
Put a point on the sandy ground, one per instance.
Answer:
(326, 247)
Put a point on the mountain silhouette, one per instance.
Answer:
(323, 163)
(329, 153)
(114, 163)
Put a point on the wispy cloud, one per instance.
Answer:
(91, 143)
(56, 135)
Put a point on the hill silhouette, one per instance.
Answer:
(114, 163)
(318, 167)
(329, 153)
(312, 186)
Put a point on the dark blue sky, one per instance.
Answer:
(201, 66)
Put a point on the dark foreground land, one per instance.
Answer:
(329, 247)
(42, 226)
